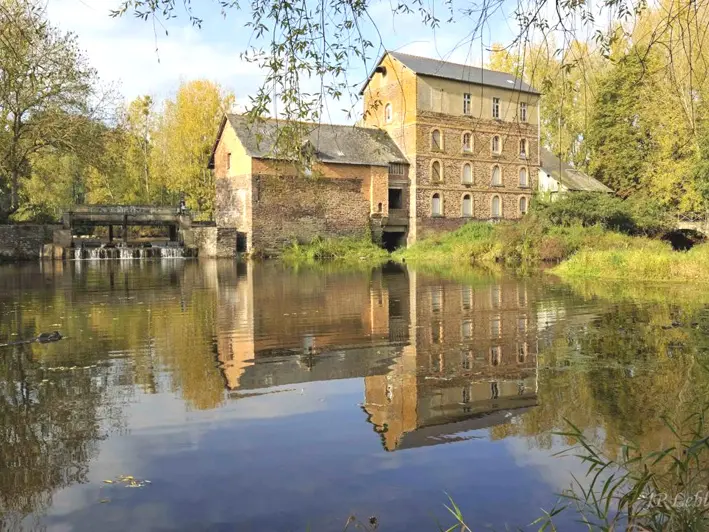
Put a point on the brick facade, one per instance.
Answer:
(273, 205)
(414, 117)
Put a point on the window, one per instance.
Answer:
(496, 145)
(228, 161)
(523, 111)
(495, 296)
(495, 327)
(523, 177)
(397, 169)
(467, 298)
(496, 176)
(496, 108)
(522, 324)
(496, 207)
(466, 103)
(467, 205)
(437, 333)
(466, 329)
(521, 353)
(308, 168)
(436, 141)
(467, 176)
(436, 206)
(436, 174)
(388, 115)
(523, 148)
(496, 356)
(523, 205)
(396, 198)
(436, 298)
(467, 142)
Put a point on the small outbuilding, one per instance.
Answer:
(557, 177)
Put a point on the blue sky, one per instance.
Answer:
(144, 60)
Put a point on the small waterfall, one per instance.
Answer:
(133, 253)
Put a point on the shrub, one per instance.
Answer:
(636, 216)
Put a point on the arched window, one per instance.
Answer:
(523, 205)
(436, 205)
(523, 148)
(496, 176)
(523, 177)
(467, 142)
(496, 145)
(436, 140)
(496, 207)
(388, 114)
(436, 173)
(467, 205)
(496, 355)
(467, 176)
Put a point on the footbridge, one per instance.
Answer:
(124, 216)
(693, 222)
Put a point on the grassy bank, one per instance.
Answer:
(647, 264)
(529, 242)
(342, 250)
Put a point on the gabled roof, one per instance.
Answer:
(331, 143)
(443, 69)
(568, 176)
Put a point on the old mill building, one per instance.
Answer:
(440, 144)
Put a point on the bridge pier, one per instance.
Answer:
(110, 234)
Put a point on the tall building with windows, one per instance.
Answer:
(440, 144)
(471, 137)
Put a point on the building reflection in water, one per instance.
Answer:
(438, 358)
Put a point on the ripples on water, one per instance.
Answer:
(254, 397)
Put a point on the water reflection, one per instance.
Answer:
(393, 362)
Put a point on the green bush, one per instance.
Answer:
(636, 216)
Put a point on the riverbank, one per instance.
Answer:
(575, 252)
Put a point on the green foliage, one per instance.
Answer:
(46, 89)
(620, 136)
(343, 250)
(550, 233)
(638, 215)
(653, 262)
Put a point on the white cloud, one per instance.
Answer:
(144, 60)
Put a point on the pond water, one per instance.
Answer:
(258, 397)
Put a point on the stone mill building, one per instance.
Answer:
(439, 144)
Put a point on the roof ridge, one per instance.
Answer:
(287, 120)
(457, 64)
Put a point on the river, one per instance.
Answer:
(259, 397)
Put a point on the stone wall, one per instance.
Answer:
(25, 241)
(212, 242)
(290, 208)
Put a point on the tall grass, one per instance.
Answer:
(340, 250)
(528, 242)
(666, 490)
(652, 262)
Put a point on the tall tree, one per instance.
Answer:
(183, 140)
(45, 90)
(620, 135)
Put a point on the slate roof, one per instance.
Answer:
(455, 71)
(332, 143)
(569, 176)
